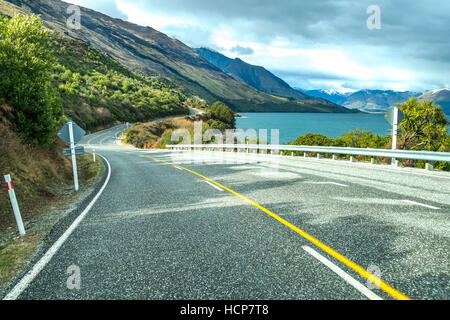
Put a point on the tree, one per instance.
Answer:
(361, 139)
(424, 127)
(217, 124)
(313, 139)
(27, 62)
(223, 113)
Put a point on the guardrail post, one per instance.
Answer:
(293, 154)
(12, 196)
(318, 156)
(397, 163)
(304, 154)
(429, 166)
(352, 159)
(372, 160)
(334, 157)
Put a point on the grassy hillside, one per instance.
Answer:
(156, 135)
(40, 174)
(42, 180)
(96, 90)
(152, 53)
(30, 113)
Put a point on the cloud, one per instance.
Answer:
(328, 37)
(244, 51)
(107, 7)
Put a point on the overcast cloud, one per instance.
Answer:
(311, 43)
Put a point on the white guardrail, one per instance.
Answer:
(429, 156)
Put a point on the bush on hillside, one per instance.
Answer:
(26, 68)
(424, 128)
(221, 112)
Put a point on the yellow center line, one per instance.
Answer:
(349, 263)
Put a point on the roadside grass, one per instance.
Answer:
(90, 170)
(43, 182)
(15, 255)
(16, 252)
(155, 135)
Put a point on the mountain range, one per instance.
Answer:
(440, 97)
(256, 76)
(373, 101)
(152, 53)
(378, 101)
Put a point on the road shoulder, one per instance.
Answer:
(18, 254)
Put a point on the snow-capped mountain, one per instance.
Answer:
(330, 95)
(440, 97)
(373, 101)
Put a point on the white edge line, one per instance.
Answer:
(349, 279)
(214, 186)
(421, 204)
(330, 182)
(29, 277)
(179, 168)
(338, 184)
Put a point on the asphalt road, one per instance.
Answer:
(159, 231)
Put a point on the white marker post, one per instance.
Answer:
(93, 154)
(12, 196)
(74, 157)
(246, 142)
(394, 132)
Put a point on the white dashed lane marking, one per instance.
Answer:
(421, 204)
(214, 186)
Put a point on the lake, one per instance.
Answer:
(292, 125)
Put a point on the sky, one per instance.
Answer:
(342, 45)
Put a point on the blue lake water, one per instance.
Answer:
(292, 125)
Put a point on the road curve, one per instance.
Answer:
(167, 227)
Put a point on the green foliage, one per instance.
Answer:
(98, 90)
(424, 126)
(138, 138)
(221, 112)
(26, 65)
(196, 102)
(352, 139)
(313, 139)
(361, 139)
(217, 124)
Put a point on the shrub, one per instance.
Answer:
(223, 113)
(26, 71)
